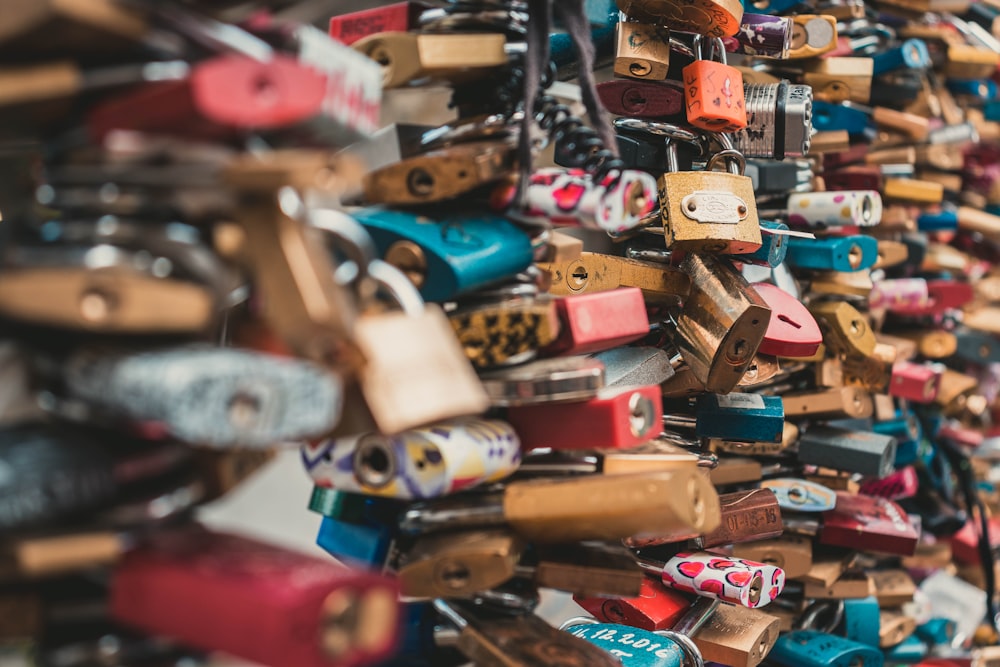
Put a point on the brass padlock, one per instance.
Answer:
(407, 56)
(594, 272)
(848, 331)
(840, 79)
(792, 553)
(642, 51)
(722, 324)
(851, 585)
(842, 402)
(709, 211)
(737, 636)
(813, 35)
(712, 18)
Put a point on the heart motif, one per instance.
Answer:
(691, 569)
(721, 564)
(713, 586)
(739, 577)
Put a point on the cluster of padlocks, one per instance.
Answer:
(720, 362)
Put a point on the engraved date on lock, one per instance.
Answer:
(715, 207)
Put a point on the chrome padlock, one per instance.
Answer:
(709, 211)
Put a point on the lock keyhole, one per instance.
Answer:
(634, 100)
(789, 321)
(420, 182)
(455, 575)
(244, 409)
(639, 68)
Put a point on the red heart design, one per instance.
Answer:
(721, 564)
(691, 569)
(568, 196)
(739, 577)
(712, 586)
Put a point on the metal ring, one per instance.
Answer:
(739, 160)
(578, 620)
(675, 132)
(397, 286)
(810, 617)
(692, 655)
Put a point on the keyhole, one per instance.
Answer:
(455, 575)
(756, 587)
(577, 276)
(857, 327)
(789, 321)
(633, 100)
(854, 256)
(420, 182)
(97, 305)
(639, 68)
(613, 610)
(244, 410)
(265, 92)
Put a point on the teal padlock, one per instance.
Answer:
(911, 650)
(839, 253)
(634, 647)
(861, 620)
(448, 254)
(808, 648)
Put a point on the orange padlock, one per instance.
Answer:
(713, 90)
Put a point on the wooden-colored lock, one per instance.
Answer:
(406, 56)
(709, 211)
(843, 283)
(736, 470)
(722, 324)
(440, 174)
(840, 79)
(595, 272)
(792, 553)
(970, 62)
(849, 585)
(459, 564)
(56, 28)
(893, 627)
(642, 51)
(893, 588)
(737, 636)
(909, 189)
(841, 402)
(848, 331)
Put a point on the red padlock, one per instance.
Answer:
(618, 417)
(792, 330)
(220, 592)
(965, 543)
(220, 98)
(599, 321)
(903, 483)
(397, 17)
(641, 99)
(868, 523)
(915, 382)
(655, 608)
(713, 90)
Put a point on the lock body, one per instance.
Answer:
(642, 51)
(714, 96)
(709, 212)
(736, 416)
(869, 454)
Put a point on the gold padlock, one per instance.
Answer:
(722, 324)
(850, 585)
(839, 79)
(792, 553)
(813, 35)
(709, 211)
(712, 18)
(457, 57)
(737, 636)
(642, 51)
(595, 272)
(970, 62)
(850, 402)
(848, 331)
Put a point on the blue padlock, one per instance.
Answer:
(911, 54)
(561, 48)
(634, 647)
(450, 254)
(977, 347)
(937, 631)
(835, 253)
(944, 220)
(910, 651)
(991, 111)
(861, 620)
(801, 495)
(808, 648)
(981, 90)
(773, 249)
(740, 417)
(355, 528)
(829, 117)
(906, 429)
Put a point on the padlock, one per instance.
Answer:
(746, 516)
(763, 36)
(849, 402)
(558, 379)
(590, 507)
(208, 396)
(741, 582)
(427, 462)
(594, 272)
(616, 202)
(898, 485)
(359, 541)
(342, 615)
(801, 495)
(722, 323)
(53, 30)
(868, 523)
(772, 252)
(440, 174)
(635, 366)
(630, 646)
(397, 17)
(642, 51)
(714, 18)
(910, 54)
(489, 638)
(822, 210)
(813, 35)
(861, 620)
(808, 648)
(843, 253)
(714, 95)
(772, 107)
(651, 456)
(849, 331)
(618, 417)
(893, 588)
(737, 636)
(839, 79)
(894, 627)
(915, 382)
(777, 177)
(495, 334)
(792, 331)
(736, 470)
(456, 57)
(586, 569)
(458, 564)
(641, 99)
(599, 321)
(849, 585)
(869, 454)
(657, 607)
(449, 255)
(791, 553)
(736, 416)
